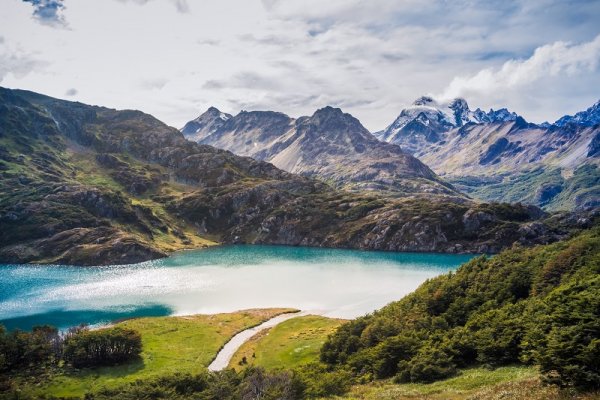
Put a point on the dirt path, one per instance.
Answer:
(222, 359)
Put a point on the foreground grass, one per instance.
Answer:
(514, 383)
(292, 343)
(170, 344)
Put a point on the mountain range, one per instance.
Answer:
(492, 156)
(329, 144)
(90, 185)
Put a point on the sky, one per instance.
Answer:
(175, 58)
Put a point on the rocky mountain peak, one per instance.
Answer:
(334, 119)
(589, 117)
(459, 104)
(462, 113)
(208, 121)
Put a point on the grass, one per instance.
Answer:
(289, 344)
(513, 382)
(170, 344)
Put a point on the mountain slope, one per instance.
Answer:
(330, 145)
(92, 185)
(501, 157)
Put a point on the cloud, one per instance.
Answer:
(71, 92)
(182, 6)
(154, 83)
(559, 58)
(48, 12)
(17, 62)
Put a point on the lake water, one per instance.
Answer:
(331, 282)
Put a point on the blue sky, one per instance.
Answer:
(175, 58)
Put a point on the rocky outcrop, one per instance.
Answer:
(83, 246)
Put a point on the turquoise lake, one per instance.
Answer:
(331, 282)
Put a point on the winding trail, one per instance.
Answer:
(224, 356)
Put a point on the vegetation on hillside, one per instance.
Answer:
(78, 347)
(555, 189)
(536, 306)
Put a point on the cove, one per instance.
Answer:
(331, 282)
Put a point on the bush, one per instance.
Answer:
(102, 347)
(497, 334)
(536, 305)
(318, 381)
(258, 384)
(429, 365)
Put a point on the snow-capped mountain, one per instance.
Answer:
(589, 117)
(426, 122)
(497, 155)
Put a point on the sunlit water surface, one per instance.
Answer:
(338, 283)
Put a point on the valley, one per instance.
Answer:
(299, 200)
(115, 201)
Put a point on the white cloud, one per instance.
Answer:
(552, 69)
(547, 61)
(176, 58)
(181, 5)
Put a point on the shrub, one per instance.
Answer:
(318, 381)
(568, 350)
(102, 347)
(429, 365)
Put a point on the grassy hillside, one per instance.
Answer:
(511, 382)
(183, 345)
(290, 344)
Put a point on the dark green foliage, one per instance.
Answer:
(102, 347)
(428, 365)
(496, 334)
(566, 340)
(311, 381)
(23, 350)
(538, 305)
(318, 381)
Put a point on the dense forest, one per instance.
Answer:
(536, 305)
